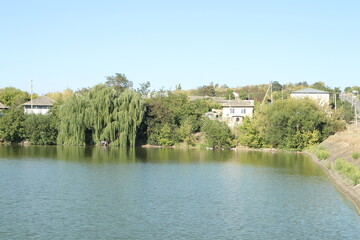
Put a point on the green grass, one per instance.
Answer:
(348, 170)
(320, 152)
(355, 155)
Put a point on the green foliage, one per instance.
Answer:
(206, 91)
(355, 155)
(348, 170)
(119, 82)
(248, 135)
(101, 114)
(11, 96)
(165, 136)
(294, 124)
(217, 134)
(229, 95)
(41, 129)
(351, 89)
(276, 86)
(322, 154)
(144, 89)
(174, 110)
(12, 125)
(345, 109)
(60, 96)
(320, 86)
(287, 124)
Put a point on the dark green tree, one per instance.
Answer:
(144, 89)
(41, 129)
(119, 82)
(12, 125)
(276, 86)
(206, 91)
(217, 134)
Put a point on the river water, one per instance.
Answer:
(120, 193)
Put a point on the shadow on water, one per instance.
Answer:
(102, 155)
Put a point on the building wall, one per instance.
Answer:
(36, 110)
(322, 99)
(237, 111)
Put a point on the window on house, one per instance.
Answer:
(232, 110)
(243, 110)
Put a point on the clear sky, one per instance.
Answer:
(75, 44)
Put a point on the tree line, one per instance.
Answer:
(114, 113)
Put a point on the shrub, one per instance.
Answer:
(322, 154)
(348, 170)
(355, 155)
(217, 134)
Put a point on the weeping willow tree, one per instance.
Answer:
(102, 114)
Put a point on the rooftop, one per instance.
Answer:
(2, 106)
(311, 91)
(237, 103)
(40, 101)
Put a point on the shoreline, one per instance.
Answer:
(338, 182)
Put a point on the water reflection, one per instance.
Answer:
(101, 155)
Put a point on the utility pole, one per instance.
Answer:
(335, 100)
(356, 120)
(31, 96)
(355, 106)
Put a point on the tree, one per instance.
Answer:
(11, 96)
(41, 129)
(101, 115)
(144, 89)
(248, 135)
(174, 110)
(276, 86)
(229, 94)
(119, 82)
(320, 86)
(12, 125)
(217, 134)
(289, 124)
(206, 91)
(293, 124)
(60, 96)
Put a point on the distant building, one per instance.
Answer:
(234, 111)
(2, 107)
(322, 97)
(40, 105)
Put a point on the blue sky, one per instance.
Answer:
(75, 44)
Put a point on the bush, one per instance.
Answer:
(322, 154)
(217, 134)
(12, 125)
(355, 155)
(348, 170)
(41, 129)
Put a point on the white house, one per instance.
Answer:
(322, 97)
(234, 111)
(40, 105)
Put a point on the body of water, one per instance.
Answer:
(125, 193)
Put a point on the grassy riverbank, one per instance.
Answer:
(338, 156)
